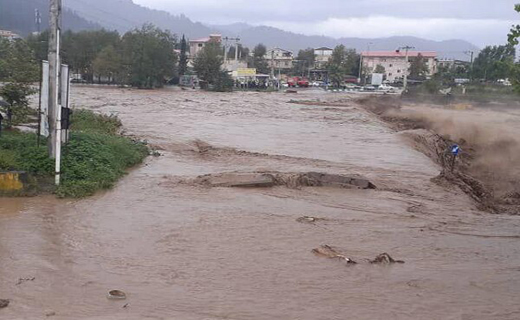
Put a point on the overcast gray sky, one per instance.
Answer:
(481, 22)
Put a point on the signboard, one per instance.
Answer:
(44, 101)
(246, 72)
(377, 79)
(63, 106)
(63, 99)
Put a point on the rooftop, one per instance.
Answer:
(201, 40)
(324, 49)
(8, 34)
(397, 54)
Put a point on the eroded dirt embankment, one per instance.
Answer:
(487, 169)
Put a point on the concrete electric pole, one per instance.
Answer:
(470, 53)
(405, 82)
(54, 72)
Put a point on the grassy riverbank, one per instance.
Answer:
(94, 159)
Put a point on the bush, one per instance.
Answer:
(19, 151)
(88, 121)
(94, 159)
(223, 82)
(17, 97)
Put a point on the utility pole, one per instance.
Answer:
(361, 61)
(225, 49)
(360, 66)
(272, 63)
(236, 49)
(405, 83)
(226, 39)
(54, 71)
(471, 63)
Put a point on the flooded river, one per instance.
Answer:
(185, 251)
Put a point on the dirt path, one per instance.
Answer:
(189, 251)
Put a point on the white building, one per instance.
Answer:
(9, 35)
(322, 55)
(197, 45)
(279, 58)
(395, 63)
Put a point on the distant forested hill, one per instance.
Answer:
(18, 16)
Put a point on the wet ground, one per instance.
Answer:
(187, 251)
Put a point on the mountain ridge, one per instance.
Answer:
(124, 15)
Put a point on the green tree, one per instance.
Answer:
(18, 70)
(305, 61)
(16, 94)
(108, 64)
(223, 82)
(514, 34)
(39, 44)
(208, 62)
(513, 41)
(494, 62)
(148, 56)
(259, 62)
(183, 58)
(380, 69)
(17, 62)
(342, 62)
(418, 68)
(79, 50)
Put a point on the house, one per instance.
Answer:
(279, 58)
(322, 55)
(452, 64)
(197, 45)
(395, 64)
(9, 35)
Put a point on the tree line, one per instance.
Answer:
(144, 58)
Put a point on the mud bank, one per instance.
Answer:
(291, 180)
(487, 169)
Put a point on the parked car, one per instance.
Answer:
(386, 88)
(292, 82)
(304, 83)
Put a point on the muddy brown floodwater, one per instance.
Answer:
(185, 251)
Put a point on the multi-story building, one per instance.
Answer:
(453, 64)
(9, 35)
(322, 56)
(279, 58)
(197, 45)
(395, 64)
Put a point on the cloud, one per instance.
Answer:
(479, 21)
(478, 31)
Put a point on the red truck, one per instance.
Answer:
(298, 82)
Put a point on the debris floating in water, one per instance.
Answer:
(4, 303)
(328, 252)
(385, 258)
(116, 295)
(331, 253)
(307, 219)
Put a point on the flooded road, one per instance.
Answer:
(186, 251)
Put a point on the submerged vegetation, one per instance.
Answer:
(94, 159)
